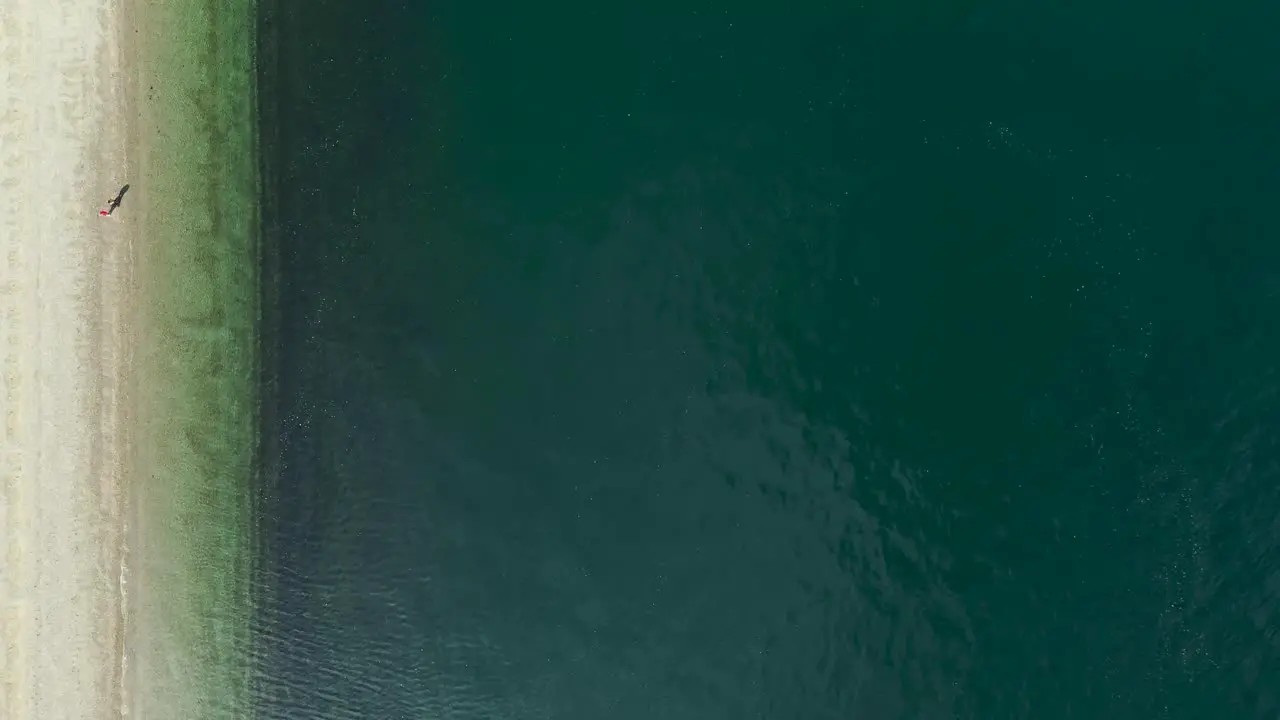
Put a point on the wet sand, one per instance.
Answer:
(65, 346)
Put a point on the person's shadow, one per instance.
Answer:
(119, 198)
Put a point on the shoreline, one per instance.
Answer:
(127, 335)
(132, 109)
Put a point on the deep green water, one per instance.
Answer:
(765, 361)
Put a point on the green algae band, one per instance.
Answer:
(197, 266)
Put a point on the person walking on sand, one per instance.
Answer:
(114, 202)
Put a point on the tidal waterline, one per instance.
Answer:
(196, 364)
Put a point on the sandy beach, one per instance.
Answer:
(64, 274)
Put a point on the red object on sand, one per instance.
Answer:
(103, 213)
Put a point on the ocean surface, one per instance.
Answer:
(748, 360)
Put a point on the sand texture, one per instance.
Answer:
(64, 272)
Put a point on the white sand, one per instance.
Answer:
(64, 273)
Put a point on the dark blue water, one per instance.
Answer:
(709, 361)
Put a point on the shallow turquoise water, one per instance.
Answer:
(192, 402)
